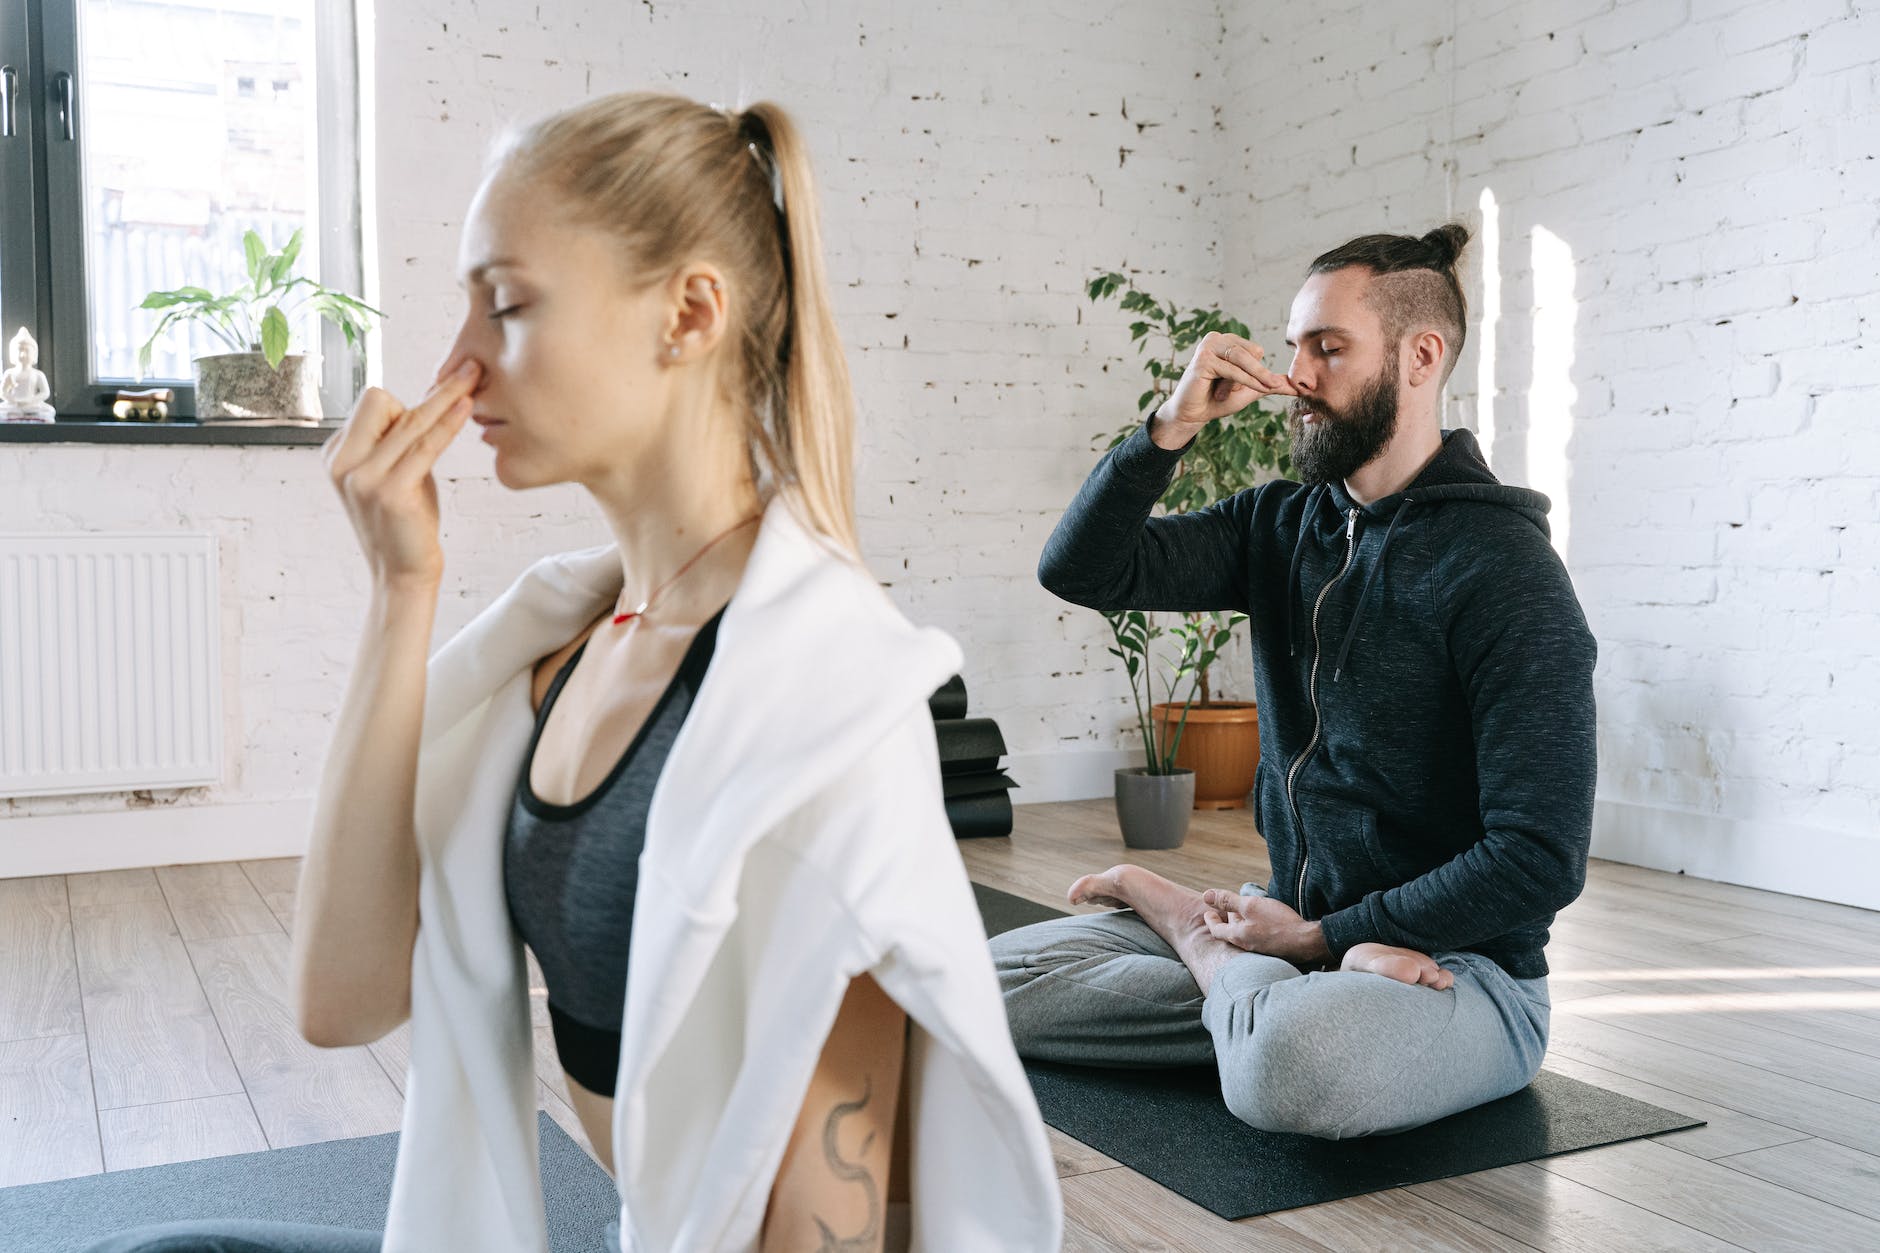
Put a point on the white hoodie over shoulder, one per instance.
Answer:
(796, 839)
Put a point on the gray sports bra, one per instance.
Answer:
(570, 873)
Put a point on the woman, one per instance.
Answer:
(693, 770)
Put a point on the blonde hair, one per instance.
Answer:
(671, 180)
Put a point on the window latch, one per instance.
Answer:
(9, 92)
(62, 84)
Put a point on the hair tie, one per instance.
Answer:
(756, 138)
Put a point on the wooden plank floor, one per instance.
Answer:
(143, 1019)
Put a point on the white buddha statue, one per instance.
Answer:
(23, 389)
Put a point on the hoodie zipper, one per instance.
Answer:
(1312, 689)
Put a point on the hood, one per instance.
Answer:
(1458, 471)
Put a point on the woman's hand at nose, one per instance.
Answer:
(381, 462)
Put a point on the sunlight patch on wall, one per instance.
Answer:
(1551, 394)
(1491, 317)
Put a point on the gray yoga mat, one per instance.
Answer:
(340, 1183)
(1172, 1126)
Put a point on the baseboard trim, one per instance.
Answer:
(163, 835)
(1784, 857)
(1072, 775)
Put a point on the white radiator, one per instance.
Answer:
(110, 663)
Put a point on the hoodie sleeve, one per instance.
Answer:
(1524, 656)
(1108, 553)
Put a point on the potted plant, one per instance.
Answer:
(1155, 799)
(257, 378)
(1222, 744)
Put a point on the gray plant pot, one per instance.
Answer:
(1153, 809)
(239, 386)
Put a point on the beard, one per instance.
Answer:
(1343, 441)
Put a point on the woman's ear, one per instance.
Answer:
(699, 307)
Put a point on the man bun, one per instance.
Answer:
(1446, 243)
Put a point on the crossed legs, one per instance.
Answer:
(1356, 1051)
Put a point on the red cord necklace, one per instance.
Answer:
(648, 602)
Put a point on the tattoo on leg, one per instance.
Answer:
(870, 1234)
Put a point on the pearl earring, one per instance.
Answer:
(673, 352)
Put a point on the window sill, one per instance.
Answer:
(176, 431)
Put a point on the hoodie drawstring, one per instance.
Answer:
(1357, 613)
(1292, 575)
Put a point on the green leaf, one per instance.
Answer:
(256, 251)
(1143, 401)
(164, 299)
(289, 254)
(274, 334)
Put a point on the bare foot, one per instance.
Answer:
(1405, 965)
(1100, 889)
(1176, 913)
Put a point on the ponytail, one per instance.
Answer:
(817, 426)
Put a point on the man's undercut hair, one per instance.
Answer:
(1413, 283)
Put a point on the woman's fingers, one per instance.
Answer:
(371, 417)
(422, 454)
(415, 422)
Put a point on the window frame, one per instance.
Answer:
(42, 40)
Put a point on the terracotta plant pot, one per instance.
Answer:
(1221, 744)
(1152, 810)
(240, 386)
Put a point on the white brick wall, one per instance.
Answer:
(1709, 167)
(1713, 171)
(978, 163)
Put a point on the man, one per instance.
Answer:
(1425, 789)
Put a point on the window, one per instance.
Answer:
(139, 140)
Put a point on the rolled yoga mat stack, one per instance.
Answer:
(977, 790)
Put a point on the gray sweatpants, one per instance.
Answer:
(1334, 1054)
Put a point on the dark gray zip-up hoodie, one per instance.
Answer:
(1425, 682)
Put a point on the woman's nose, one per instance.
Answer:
(460, 351)
(453, 357)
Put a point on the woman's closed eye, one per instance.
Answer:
(497, 315)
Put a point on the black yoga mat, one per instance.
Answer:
(979, 817)
(968, 745)
(341, 1183)
(979, 784)
(949, 699)
(1172, 1126)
